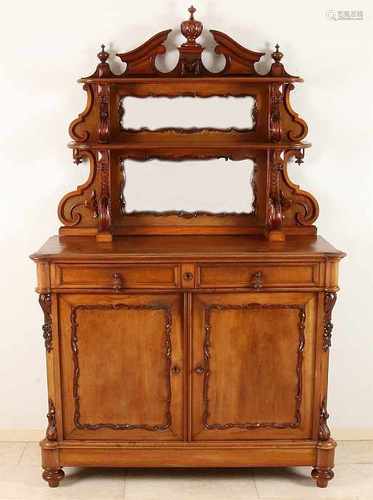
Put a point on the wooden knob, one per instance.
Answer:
(199, 369)
(256, 281)
(117, 281)
(176, 370)
(188, 276)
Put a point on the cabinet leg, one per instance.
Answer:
(53, 476)
(322, 472)
(322, 475)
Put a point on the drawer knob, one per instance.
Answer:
(117, 281)
(257, 280)
(176, 370)
(199, 370)
(188, 276)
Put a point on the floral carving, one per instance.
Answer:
(330, 299)
(104, 200)
(51, 434)
(103, 95)
(324, 431)
(275, 118)
(45, 301)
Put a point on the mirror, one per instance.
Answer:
(163, 112)
(209, 186)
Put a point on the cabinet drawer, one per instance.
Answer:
(257, 276)
(116, 277)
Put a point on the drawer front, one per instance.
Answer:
(257, 276)
(116, 277)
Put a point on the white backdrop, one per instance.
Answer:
(46, 46)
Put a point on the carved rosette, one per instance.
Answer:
(51, 433)
(324, 431)
(45, 301)
(330, 299)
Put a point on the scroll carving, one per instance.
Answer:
(45, 301)
(299, 207)
(78, 204)
(205, 369)
(239, 60)
(330, 299)
(166, 424)
(51, 433)
(324, 431)
(141, 61)
(298, 128)
(76, 128)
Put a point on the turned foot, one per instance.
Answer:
(53, 476)
(322, 475)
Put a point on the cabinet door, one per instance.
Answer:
(253, 365)
(122, 366)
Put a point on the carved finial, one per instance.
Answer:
(191, 29)
(277, 68)
(192, 10)
(103, 55)
(277, 55)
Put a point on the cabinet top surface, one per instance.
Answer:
(168, 247)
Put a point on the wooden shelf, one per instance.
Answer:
(189, 146)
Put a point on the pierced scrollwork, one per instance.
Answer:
(45, 301)
(51, 433)
(330, 299)
(324, 431)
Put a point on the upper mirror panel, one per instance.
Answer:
(188, 112)
(215, 186)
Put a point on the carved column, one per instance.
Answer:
(104, 199)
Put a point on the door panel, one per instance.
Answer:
(252, 366)
(122, 366)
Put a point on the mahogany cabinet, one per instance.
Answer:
(188, 339)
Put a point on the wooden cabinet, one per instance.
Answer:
(188, 339)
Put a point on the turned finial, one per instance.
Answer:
(103, 55)
(277, 55)
(191, 29)
(192, 10)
